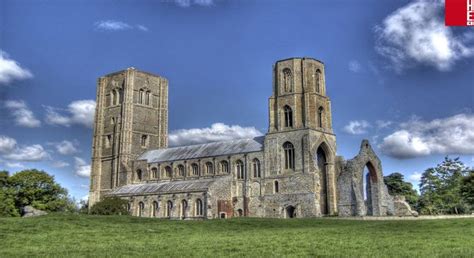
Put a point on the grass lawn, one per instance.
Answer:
(81, 235)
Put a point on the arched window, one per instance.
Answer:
(209, 168)
(287, 80)
(147, 98)
(141, 96)
(317, 78)
(144, 140)
(141, 209)
(199, 208)
(320, 116)
(117, 96)
(168, 210)
(168, 171)
(181, 170)
(224, 167)
(154, 172)
(112, 97)
(256, 168)
(129, 207)
(289, 150)
(139, 175)
(195, 169)
(276, 187)
(288, 116)
(155, 208)
(239, 169)
(184, 207)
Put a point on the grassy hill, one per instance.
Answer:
(80, 235)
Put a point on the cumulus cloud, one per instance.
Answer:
(416, 34)
(7, 144)
(10, 70)
(34, 152)
(217, 132)
(23, 115)
(188, 3)
(357, 127)
(82, 168)
(114, 25)
(60, 164)
(415, 177)
(66, 147)
(78, 112)
(415, 138)
(355, 66)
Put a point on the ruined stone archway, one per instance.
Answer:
(369, 181)
(290, 212)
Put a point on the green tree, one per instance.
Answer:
(467, 189)
(3, 178)
(110, 206)
(397, 186)
(7, 202)
(440, 188)
(37, 188)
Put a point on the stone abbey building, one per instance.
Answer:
(292, 171)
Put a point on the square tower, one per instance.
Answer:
(131, 117)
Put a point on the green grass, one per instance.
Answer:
(80, 235)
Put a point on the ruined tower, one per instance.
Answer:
(131, 117)
(300, 145)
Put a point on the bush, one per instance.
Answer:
(110, 206)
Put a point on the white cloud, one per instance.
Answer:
(217, 132)
(60, 164)
(7, 144)
(381, 124)
(113, 25)
(83, 169)
(10, 70)
(14, 164)
(34, 152)
(357, 127)
(188, 3)
(355, 66)
(415, 177)
(66, 147)
(78, 112)
(415, 138)
(22, 114)
(416, 34)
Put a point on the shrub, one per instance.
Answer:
(110, 206)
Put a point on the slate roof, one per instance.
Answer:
(164, 187)
(212, 149)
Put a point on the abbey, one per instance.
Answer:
(292, 171)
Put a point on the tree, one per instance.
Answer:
(110, 206)
(397, 186)
(440, 188)
(467, 189)
(38, 189)
(7, 202)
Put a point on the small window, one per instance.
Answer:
(154, 172)
(199, 207)
(287, 80)
(139, 175)
(209, 168)
(168, 171)
(155, 209)
(195, 169)
(144, 141)
(317, 79)
(256, 168)
(169, 208)
(320, 117)
(289, 150)
(181, 170)
(224, 167)
(141, 209)
(288, 116)
(276, 187)
(148, 98)
(239, 169)
(141, 96)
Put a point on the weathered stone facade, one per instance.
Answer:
(292, 171)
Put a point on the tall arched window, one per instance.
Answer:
(141, 209)
(168, 171)
(287, 80)
(289, 155)
(181, 170)
(209, 168)
(141, 96)
(154, 172)
(256, 168)
(276, 187)
(144, 140)
(224, 167)
(168, 210)
(139, 175)
(155, 208)
(239, 169)
(288, 116)
(320, 117)
(184, 207)
(147, 98)
(199, 208)
(317, 78)
(195, 169)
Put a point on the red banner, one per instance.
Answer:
(459, 13)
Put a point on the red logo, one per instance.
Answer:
(459, 13)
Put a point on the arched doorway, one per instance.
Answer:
(323, 181)
(369, 181)
(290, 212)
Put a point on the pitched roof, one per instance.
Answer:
(164, 187)
(212, 149)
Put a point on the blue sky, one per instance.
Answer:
(395, 74)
